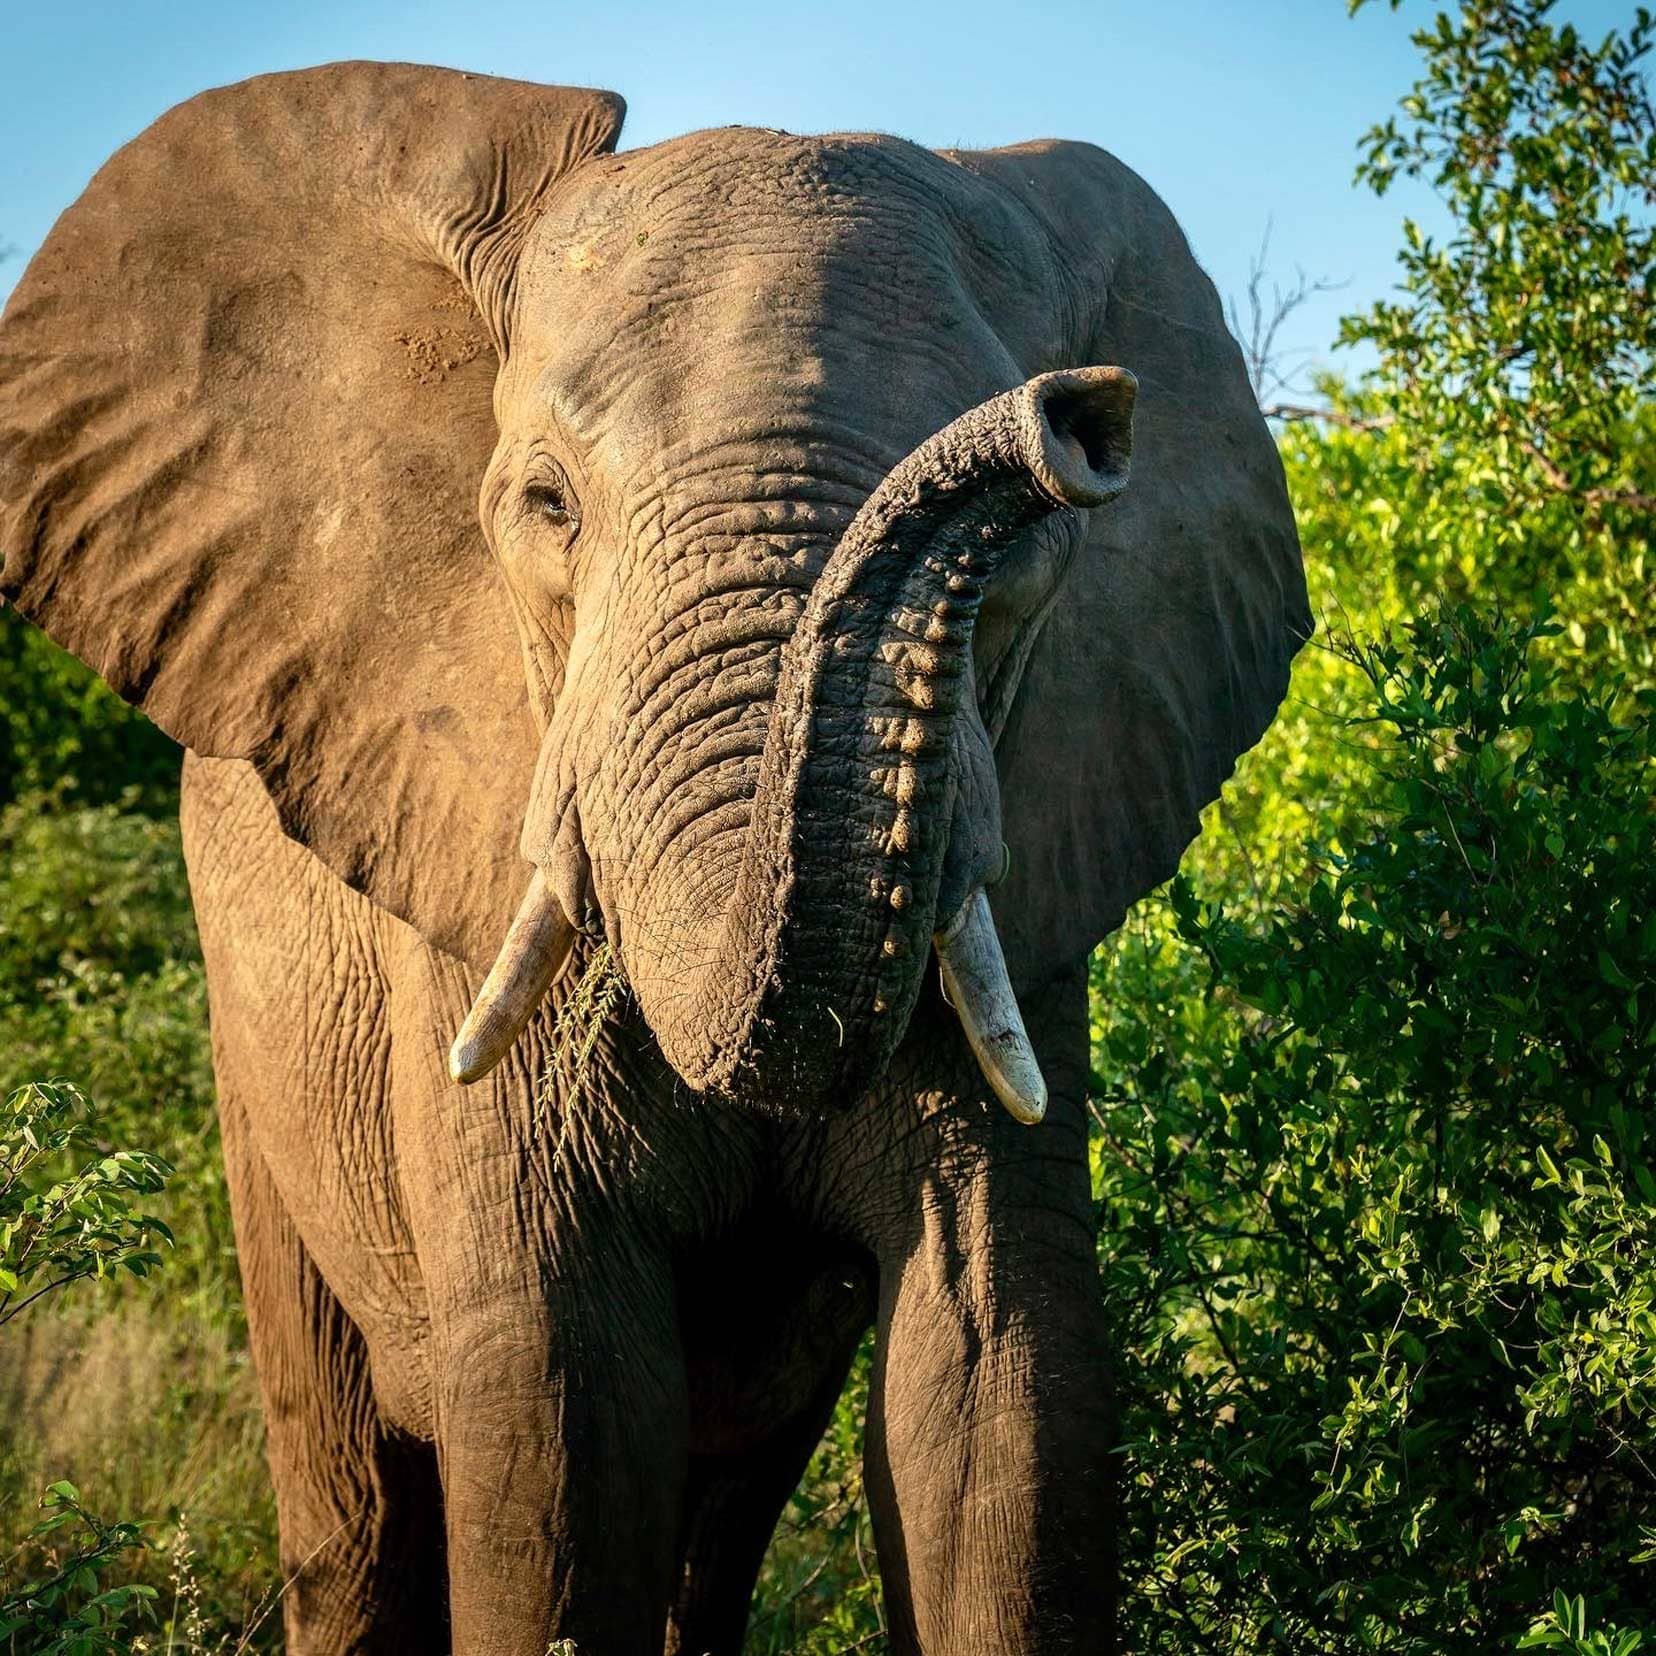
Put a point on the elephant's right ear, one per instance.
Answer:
(245, 406)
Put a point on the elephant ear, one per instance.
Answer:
(1167, 650)
(245, 407)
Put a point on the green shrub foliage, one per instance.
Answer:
(70, 1611)
(64, 732)
(1376, 1192)
(1523, 341)
(66, 1216)
(66, 1203)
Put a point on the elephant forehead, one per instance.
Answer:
(663, 275)
(770, 188)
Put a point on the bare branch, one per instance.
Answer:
(1630, 498)
(1334, 416)
(1258, 331)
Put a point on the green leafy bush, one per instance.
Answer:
(100, 978)
(1375, 1188)
(60, 1223)
(148, 1404)
(71, 1612)
(66, 1215)
(1523, 344)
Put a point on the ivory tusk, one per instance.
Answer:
(538, 946)
(977, 987)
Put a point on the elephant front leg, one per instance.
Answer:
(359, 1508)
(991, 1424)
(990, 1430)
(558, 1373)
(562, 1443)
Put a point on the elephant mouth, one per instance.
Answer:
(874, 829)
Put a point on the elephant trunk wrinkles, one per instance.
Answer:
(827, 933)
(811, 983)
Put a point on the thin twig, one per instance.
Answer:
(1259, 332)
(1334, 416)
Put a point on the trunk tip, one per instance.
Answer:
(1081, 445)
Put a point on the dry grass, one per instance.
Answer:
(151, 1412)
(598, 992)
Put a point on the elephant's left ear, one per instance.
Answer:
(245, 407)
(1167, 651)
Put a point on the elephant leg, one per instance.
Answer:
(990, 1430)
(987, 1464)
(558, 1378)
(561, 1434)
(784, 1367)
(733, 1503)
(359, 1506)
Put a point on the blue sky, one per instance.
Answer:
(1242, 113)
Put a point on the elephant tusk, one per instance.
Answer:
(977, 987)
(539, 945)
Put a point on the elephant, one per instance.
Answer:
(627, 613)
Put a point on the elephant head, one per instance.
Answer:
(804, 605)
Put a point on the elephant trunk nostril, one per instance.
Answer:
(1081, 433)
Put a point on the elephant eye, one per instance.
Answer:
(549, 502)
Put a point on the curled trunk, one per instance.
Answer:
(829, 927)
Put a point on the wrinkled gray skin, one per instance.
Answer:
(541, 1371)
